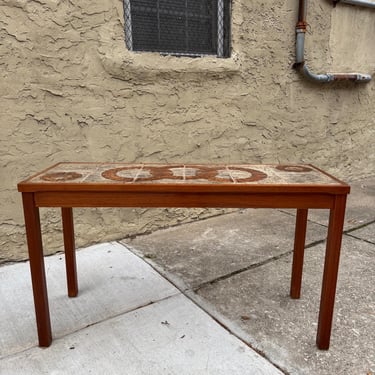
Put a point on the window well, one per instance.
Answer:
(178, 27)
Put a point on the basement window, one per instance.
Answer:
(178, 27)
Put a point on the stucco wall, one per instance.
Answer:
(70, 91)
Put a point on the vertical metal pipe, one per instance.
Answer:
(302, 11)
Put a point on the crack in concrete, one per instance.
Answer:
(241, 270)
(359, 227)
(277, 257)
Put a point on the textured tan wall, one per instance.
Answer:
(70, 91)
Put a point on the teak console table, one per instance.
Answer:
(69, 185)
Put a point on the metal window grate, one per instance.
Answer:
(180, 27)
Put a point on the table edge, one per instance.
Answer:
(187, 188)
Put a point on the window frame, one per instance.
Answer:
(222, 44)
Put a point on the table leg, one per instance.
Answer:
(331, 265)
(298, 253)
(38, 276)
(70, 254)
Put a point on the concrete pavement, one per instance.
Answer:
(239, 265)
(210, 297)
(127, 320)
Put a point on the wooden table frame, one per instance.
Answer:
(300, 197)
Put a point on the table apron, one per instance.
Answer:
(183, 199)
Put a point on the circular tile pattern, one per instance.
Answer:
(153, 173)
(61, 176)
(293, 168)
(239, 175)
(129, 174)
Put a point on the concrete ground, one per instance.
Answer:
(210, 297)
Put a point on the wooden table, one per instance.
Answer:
(69, 185)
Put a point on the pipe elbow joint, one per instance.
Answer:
(315, 77)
